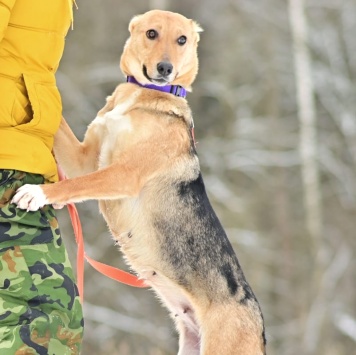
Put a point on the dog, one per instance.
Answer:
(138, 158)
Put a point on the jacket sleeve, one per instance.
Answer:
(5, 11)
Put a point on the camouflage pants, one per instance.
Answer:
(40, 311)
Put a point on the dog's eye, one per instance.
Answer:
(151, 34)
(182, 40)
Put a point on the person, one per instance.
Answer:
(40, 311)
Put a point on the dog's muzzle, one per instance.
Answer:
(163, 70)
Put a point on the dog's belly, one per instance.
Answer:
(120, 216)
(130, 226)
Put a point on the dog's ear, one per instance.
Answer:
(133, 22)
(197, 29)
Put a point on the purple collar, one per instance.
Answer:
(176, 90)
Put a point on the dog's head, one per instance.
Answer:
(162, 49)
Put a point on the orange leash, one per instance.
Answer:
(107, 270)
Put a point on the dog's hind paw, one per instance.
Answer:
(30, 198)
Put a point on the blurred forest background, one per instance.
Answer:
(274, 106)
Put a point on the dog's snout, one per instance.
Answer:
(164, 68)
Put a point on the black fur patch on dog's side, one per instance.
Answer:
(248, 294)
(227, 272)
(193, 240)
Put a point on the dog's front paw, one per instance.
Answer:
(30, 198)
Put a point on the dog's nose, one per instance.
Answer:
(164, 68)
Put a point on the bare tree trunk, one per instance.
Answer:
(307, 118)
(308, 147)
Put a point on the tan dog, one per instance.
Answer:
(138, 159)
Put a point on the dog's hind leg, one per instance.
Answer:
(231, 330)
(189, 339)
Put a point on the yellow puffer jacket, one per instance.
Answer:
(32, 34)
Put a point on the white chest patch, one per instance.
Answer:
(113, 124)
(117, 121)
